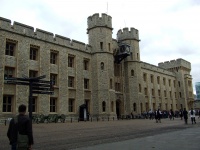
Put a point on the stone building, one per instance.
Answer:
(106, 75)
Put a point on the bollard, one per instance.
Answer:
(71, 120)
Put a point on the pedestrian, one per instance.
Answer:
(192, 115)
(181, 114)
(150, 115)
(20, 125)
(185, 115)
(199, 113)
(158, 116)
(171, 114)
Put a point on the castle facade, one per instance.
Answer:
(97, 74)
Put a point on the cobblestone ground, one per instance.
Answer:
(63, 136)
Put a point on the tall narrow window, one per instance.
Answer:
(102, 66)
(10, 48)
(164, 81)
(109, 46)
(158, 92)
(145, 76)
(103, 106)
(53, 105)
(33, 53)
(53, 78)
(179, 83)
(169, 82)
(53, 58)
(86, 83)
(70, 81)
(140, 88)
(152, 79)
(134, 107)
(71, 61)
(101, 45)
(158, 80)
(111, 84)
(9, 72)
(86, 64)
(71, 105)
(165, 93)
(132, 72)
(174, 83)
(145, 91)
(7, 103)
(112, 106)
(34, 104)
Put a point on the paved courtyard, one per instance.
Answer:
(78, 135)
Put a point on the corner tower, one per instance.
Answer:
(102, 64)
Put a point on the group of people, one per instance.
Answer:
(157, 114)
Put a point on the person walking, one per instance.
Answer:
(181, 114)
(20, 125)
(185, 115)
(158, 116)
(192, 115)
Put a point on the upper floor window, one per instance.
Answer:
(33, 74)
(53, 57)
(169, 82)
(132, 72)
(145, 91)
(71, 104)
(86, 64)
(179, 83)
(164, 81)
(10, 48)
(9, 72)
(152, 79)
(140, 88)
(102, 66)
(70, 81)
(71, 61)
(103, 106)
(109, 46)
(33, 53)
(158, 80)
(101, 45)
(174, 83)
(111, 84)
(34, 104)
(86, 83)
(145, 76)
(53, 78)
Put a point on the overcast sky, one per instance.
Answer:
(168, 29)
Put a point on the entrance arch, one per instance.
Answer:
(118, 108)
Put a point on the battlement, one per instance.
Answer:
(127, 34)
(97, 21)
(25, 30)
(175, 63)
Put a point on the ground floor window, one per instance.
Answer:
(53, 104)
(7, 103)
(71, 104)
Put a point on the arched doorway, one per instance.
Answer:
(118, 110)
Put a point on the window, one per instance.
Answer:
(152, 92)
(180, 95)
(34, 106)
(170, 94)
(53, 104)
(53, 57)
(145, 76)
(101, 45)
(9, 72)
(174, 83)
(70, 81)
(158, 80)
(103, 106)
(7, 103)
(71, 61)
(33, 53)
(33, 74)
(164, 81)
(179, 83)
(86, 83)
(87, 103)
(175, 94)
(86, 64)
(140, 88)
(102, 66)
(117, 86)
(109, 46)
(111, 84)
(151, 78)
(169, 82)
(165, 93)
(71, 105)
(158, 92)
(145, 91)
(112, 106)
(10, 48)
(53, 78)
(134, 107)
(132, 72)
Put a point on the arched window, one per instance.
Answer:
(134, 107)
(102, 66)
(103, 106)
(132, 72)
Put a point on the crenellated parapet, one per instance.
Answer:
(175, 63)
(38, 34)
(127, 34)
(97, 21)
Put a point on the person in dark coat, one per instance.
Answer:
(20, 124)
(158, 116)
(185, 115)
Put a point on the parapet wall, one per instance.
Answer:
(97, 21)
(127, 34)
(154, 68)
(175, 63)
(25, 30)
